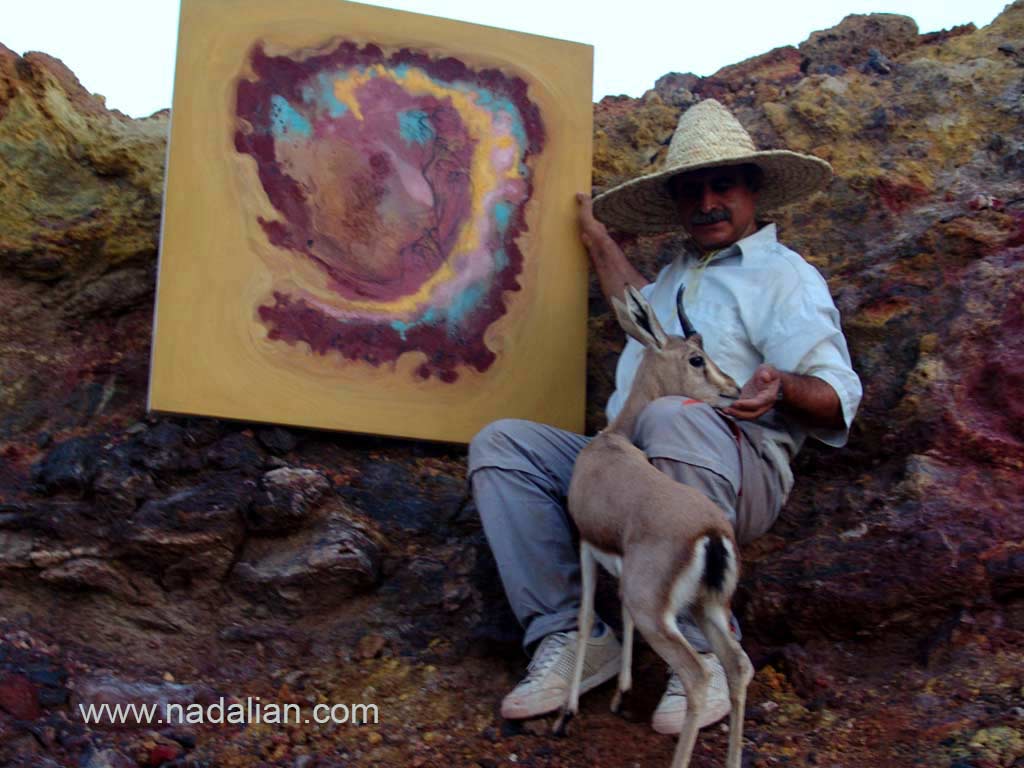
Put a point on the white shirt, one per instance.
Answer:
(756, 302)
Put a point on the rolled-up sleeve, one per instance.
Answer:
(805, 337)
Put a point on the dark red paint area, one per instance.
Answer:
(377, 201)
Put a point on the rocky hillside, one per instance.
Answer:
(147, 559)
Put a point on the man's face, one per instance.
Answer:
(716, 206)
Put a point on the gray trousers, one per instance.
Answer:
(520, 473)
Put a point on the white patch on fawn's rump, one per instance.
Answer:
(687, 583)
(732, 575)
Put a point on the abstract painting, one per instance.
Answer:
(369, 221)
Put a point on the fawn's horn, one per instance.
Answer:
(684, 321)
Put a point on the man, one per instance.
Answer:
(766, 318)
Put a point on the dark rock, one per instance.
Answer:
(778, 67)
(192, 532)
(286, 499)
(163, 449)
(833, 70)
(392, 493)
(165, 436)
(55, 523)
(322, 565)
(50, 682)
(18, 696)
(92, 573)
(113, 293)
(1007, 574)
(810, 677)
(511, 728)
(247, 634)
(71, 466)
(370, 646)
(849, 44)
(186, 738)
(236, 452)
(15, 549)
(277, 440)
(877, 63)
(200, 432)
(122, 487)
(105, 758)
(421, 581)
(677, 89)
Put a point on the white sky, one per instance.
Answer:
(124, 49)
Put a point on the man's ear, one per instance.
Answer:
(637, 319)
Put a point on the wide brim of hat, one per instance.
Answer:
(645, 206)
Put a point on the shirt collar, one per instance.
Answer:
(762, 239)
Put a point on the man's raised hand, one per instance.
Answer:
(592, 231)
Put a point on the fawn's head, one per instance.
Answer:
(672, 365)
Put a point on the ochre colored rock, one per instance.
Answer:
(81, 185)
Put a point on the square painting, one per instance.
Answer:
(369, 221)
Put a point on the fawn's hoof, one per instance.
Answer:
(616, 706)
(562, 723)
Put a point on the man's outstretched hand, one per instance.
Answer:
(758, 396)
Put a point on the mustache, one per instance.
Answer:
(711, 217)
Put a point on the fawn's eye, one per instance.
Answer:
(697, 361)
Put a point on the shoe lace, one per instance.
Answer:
(547, 654)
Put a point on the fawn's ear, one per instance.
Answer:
(638, 320)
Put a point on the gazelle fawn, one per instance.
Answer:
(670, 546)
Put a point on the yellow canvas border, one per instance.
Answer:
(205, 358)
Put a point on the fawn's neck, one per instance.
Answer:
(641, 393)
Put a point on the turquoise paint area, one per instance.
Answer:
(414, 126)
(500, 259)
(327, 98)
(285, 121)
(502, 216)
(429, 318)
(463, 304)
(321, 95)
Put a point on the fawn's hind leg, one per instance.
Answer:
(655, 617)
(714, 621)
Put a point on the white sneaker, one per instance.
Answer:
(549, 675)
(669, 714)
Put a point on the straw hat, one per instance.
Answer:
(708, 136)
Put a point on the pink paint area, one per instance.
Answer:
(377, 191)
